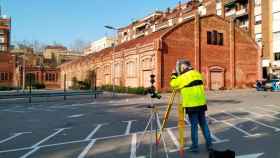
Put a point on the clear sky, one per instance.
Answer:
(64, 21)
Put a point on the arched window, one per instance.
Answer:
(117, 69)
(131, 69)
(147, 63)
(107, 70)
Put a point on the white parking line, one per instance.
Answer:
(247, 134)
(255, 121)
(30, 152)
(16, 111)
(133, 146)
(13, 136)
(276, 106)
(267, 110)
(48, 137)
(217, 140)
(86, 150)
(128, 127)
(75, 116)
(259, 115)
(173, 138)
(94, 131)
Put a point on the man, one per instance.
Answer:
(190, 84)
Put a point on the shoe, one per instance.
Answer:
(193, 149)
(209, 148)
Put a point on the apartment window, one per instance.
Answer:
(277, 56)
(2, 48)
(50, 77)
(215, 38)
(258, 2)
(2, 40)
(4, 76)
(258, 19)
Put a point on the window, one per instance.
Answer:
(209, 37)
(277, 56)
(220, 39)
(131, 69)
(258, 2)
(50, 77)
(4, 76)
(215, 38)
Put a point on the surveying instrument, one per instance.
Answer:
(153, 124)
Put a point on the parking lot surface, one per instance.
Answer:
(245, 121)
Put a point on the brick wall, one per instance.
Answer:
(237, 60)
(7, 65)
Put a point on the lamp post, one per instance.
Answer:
(114, 46)
(23, 72)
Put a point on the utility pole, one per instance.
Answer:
(23, 72)
(113, 56)
(64, 88)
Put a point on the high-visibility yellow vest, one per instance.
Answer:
(191, 87)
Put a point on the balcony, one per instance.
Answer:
(140, 33)
(162, 25)
(231, 12)
(241, 12)
(258, 29)
(258, 10)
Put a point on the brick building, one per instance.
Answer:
(7, 69)
(7, 60)
(43, 75)
(226, 55)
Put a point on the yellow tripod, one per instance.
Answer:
(181, 123)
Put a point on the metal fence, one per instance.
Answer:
(41, 94)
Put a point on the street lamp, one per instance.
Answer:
(114, 46)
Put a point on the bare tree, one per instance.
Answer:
(79, 45)
(36, 45)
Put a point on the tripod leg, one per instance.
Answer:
(151, 140)
(166, 115)
(181, 128)
(162, 137)
(145, 131)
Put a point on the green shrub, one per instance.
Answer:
(80, 85)
(6, 88)
(122, 89)
(39, 86)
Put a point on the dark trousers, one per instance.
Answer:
(198, 117)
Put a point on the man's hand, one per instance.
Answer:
(174, 72)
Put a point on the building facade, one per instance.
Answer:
(269, 35)
(47, 76)
(226, 55)
(7, 60)
(57, 55)
(100, 44)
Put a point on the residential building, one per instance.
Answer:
(56, 55)
(5, 31)
(100, 44)
(269, 33)
(160, 20)
(7, 60)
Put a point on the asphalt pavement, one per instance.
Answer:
(245, 121)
